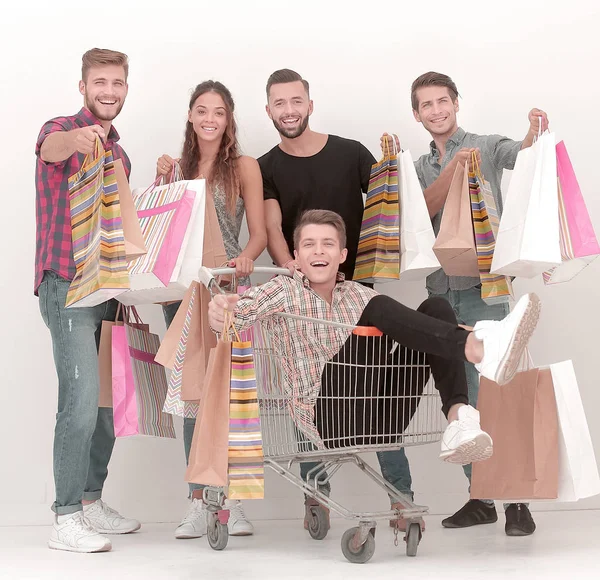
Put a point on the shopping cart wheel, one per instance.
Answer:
(413, 537)
(318, 523)
(218, 534)
(357, 554)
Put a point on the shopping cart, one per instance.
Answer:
(375, 395)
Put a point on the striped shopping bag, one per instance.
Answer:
(164, 212)
(174, 404)
(578, 242)
(378, 255)
(245, 456)
(139, 384)
(494, 288)
(97, 232)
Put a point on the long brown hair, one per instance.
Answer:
(225, 170)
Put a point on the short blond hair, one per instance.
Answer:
(103, 57)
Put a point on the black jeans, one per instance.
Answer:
(370, 392)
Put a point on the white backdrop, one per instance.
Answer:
(505, 58)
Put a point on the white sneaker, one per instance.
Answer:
(76, 534)
(464, 442)
(504, 341)
(193, 524)
(108, 521)
(238, 524)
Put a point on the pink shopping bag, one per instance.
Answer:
(578, 243)
(581, 230)
(172, 244)
(174, 235)
(139, 383)
(125, 415)
(164, 212)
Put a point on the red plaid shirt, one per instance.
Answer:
(54, 246)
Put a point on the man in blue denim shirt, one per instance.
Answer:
(435, 104)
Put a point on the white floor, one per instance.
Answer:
(566, 545)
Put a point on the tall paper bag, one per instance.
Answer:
(132, 231)
(455, 242)
(208, 461)
(522, 419)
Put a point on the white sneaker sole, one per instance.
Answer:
(118, 532)
(478, 449)
(54, 545)
(509, 365)
(242, 533)
(188, 536)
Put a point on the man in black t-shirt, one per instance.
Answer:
(309, 170)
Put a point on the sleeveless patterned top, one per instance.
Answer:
(230, 225)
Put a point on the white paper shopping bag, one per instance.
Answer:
(577, 468)
(417, 259)
(528, 238)
(189, 258)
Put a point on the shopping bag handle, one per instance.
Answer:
(127, 310)
(386, 152)
(97, 154)
(526, 363)
(176, 175)
(229, 329)
(540, 132)
(475, 165)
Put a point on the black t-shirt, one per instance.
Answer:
(334, 179)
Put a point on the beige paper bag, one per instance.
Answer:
(455, 243)
(208, 461)
(105, 358)
(214, 256)
(522, 419)
(132, 231)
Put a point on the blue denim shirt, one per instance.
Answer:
(497, 153)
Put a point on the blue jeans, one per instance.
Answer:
(84, 435)
(189, 423)
(469, 309)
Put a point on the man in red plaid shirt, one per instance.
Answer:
(84, 434)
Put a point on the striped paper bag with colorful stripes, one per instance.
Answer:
(494, 288)
(246, 465)
(164, 213)
(139, 385)
(97, 232)
(378, 255)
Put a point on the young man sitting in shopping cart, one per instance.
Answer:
(319, 292)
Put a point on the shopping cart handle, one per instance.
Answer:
(274, 271)
(207, 275)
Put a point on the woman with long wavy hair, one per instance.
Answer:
(211, 151)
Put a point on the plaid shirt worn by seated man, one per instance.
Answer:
(303, 347)
(54, 243)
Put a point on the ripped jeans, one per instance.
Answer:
(84, 435)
